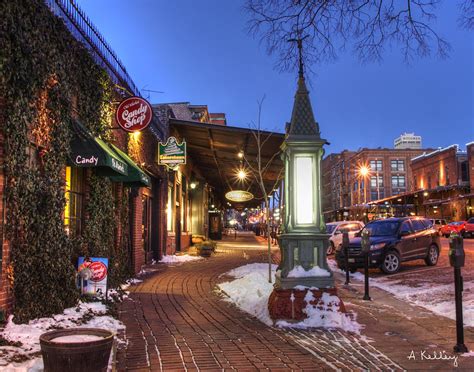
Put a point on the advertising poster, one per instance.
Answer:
(96, 284)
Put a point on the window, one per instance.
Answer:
(376, 165)
(446, 174)
(377, 194)
(146, 223)
(73, 212)
(418, 225)
(406, 228)
(376, 181)
(169, 209)
(398, 182)
(397, 165)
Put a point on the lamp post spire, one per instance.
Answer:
(299, 43)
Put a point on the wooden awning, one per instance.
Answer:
(214, 151)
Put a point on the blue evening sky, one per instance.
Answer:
(199, 51)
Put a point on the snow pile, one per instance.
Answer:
(85, 315)
(324, 314)
(251, 289)
(179, 259)
(430, 295)
(250, 292)
(300, 272)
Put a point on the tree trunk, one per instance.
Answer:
(269, 242)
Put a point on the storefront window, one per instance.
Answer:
(73, 212)
(146, 223)
(169, 209)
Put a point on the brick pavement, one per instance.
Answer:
(176, 320)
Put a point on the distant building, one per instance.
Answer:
(407, 141)
(187, 112)
(347, 191)
(218, 118)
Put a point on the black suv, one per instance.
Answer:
(392, 241)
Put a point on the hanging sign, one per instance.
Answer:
(172, 153)
(134, 114)
(95, 281)
(239, 196)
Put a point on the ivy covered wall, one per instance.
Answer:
(46, 79)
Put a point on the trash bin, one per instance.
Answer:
(76, 349)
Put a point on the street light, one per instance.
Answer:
(363, 173)
(303, 241)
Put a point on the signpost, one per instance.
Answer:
(172, 153)
(134, 114)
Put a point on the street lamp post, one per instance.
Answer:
(303, 241)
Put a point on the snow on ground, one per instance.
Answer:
(300, 272)
(250, 291)
(432, 296)
(24, 357)
(179, 259)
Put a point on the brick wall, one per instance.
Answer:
(6, 298)
(439, 169)
(470, 160)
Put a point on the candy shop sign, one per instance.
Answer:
(134, 114)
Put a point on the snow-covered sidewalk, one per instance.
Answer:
(250, 291)
(432, 296)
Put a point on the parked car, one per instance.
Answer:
(393, 241)
(469, 228)
(438, 223)
(335, 229)
(457, 227)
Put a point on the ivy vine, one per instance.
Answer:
(45, 74)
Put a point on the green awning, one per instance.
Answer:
(136, 176)
(92, 152)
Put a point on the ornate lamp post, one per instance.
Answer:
(303, 241)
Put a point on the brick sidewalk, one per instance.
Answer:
(176, 320)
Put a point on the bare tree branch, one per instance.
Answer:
(367, 26)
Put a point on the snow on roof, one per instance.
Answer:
(440, 149)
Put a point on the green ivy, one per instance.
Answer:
(37, 54)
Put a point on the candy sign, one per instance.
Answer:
(134, 114)
(95, 281)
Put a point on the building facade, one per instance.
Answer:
(351, 180)
(408, 141)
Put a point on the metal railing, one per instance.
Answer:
(84, 31)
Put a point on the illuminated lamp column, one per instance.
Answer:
(303, 241)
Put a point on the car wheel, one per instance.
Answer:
(330, 249)
(433, 255)
(391, 262)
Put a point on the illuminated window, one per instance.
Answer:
(73, 216)
(304, 189)
(169, 209)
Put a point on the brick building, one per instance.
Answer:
(353, 179)
(443, 176)
(138, 186)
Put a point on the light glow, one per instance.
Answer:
(304, 189)
(192, 185)
(240, 154)
(364, 171)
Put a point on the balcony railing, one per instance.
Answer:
(84, 31)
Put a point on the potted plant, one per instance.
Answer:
(206, 248)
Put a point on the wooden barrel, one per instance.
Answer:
(70, 353)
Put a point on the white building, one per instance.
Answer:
(407, 141)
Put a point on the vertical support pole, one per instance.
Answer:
(345, 246)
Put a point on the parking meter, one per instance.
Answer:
(345, 247)
(365, 246)
(456, 254)
(456, 260)
(365, 241)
